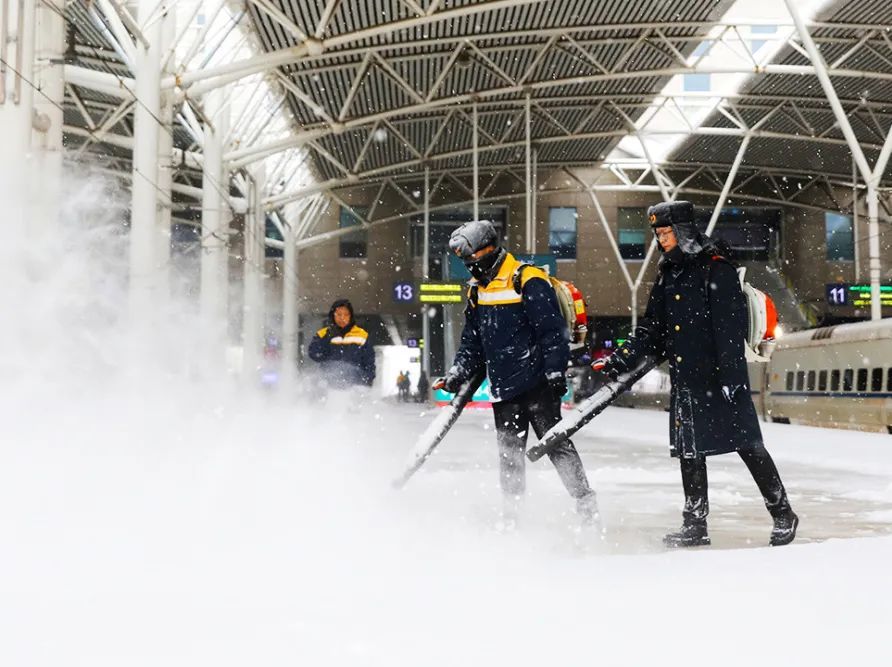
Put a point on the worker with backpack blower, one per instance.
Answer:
(515, 329)
(697, 319)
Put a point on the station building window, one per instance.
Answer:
(834, 380)
(876, 379)
(840, 237)
(355, 244)
(789, 380)
(822, 381)
(862, 379)
(848, 378)
(562, 231)
(633, 232)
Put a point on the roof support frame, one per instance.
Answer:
(277, 15)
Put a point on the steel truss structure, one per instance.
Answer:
(466, 102)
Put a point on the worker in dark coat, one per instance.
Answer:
(696, 318)
(515, 330)
(342, 349)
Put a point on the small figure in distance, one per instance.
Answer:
(423, 388)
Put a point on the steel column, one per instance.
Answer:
(425, 273)
(47, 119)
(144, 186)
(873, 245)
(528, 236)
(290, 294)
(16, 49)
(166, 165)
(215, 223)
(855, 225)
(254, 260)
(476, 156)
(533, 197)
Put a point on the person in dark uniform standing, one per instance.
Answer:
(342, 349)
(423, 387)
(514, 329)
(696, 318)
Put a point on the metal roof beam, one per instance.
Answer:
(316, 46)
(821, 71)
(700, 131)
(466, 98)
(277, 15)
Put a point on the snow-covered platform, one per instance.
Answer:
(840, 482)
(230, 532)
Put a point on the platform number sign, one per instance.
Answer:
(838, 294)
(403, 292)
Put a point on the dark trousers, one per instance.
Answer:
(540, 408)
(761, 466)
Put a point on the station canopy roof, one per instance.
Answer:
(374, 91)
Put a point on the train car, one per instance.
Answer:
(839, 376)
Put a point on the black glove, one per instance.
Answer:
(729, 390)
(557, 383)
(613, 366)
(450, 383)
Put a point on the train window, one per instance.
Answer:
(822, 381)
(811, 380)
(876, 379)
(834, 380)
(862, 379)
(889, 380)
(800, 380)
(847, 379)
(790, 379)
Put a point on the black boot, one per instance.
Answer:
(696, 506)
(784, 531)
(766, 476)
(587, 509)
(690, 535)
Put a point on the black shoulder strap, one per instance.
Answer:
(472, 296)
(707, 268)
(517, 278)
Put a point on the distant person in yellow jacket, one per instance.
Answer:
(342, 349)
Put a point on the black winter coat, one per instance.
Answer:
(520, 337)
(696, 319)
